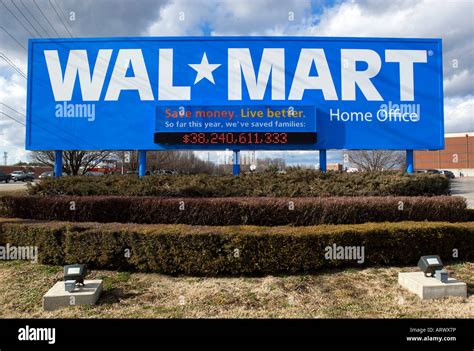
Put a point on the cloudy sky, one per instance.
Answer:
(451, 20)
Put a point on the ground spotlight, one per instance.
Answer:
(74, 275)
(430, 264)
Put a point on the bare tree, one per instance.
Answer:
(377, 160)
(74, 162)
(271, 164)
(168, 159)
(187, 161)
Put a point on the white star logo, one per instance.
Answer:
(204, 69)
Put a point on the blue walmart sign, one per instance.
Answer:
(234, 92)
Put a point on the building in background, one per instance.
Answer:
(336, 167)
(457, 156)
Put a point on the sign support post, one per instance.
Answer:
(58, 163)
(142, 163)
(236, 162)
(322, 160)
(409, 161)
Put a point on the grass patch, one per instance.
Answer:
(356, 293)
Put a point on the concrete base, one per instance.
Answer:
(431, 288)
(57, 297)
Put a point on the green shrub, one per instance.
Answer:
(301, 183)
(241, 250)
(48, 239)
(235, 211)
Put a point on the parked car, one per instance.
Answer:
(163, 171)
(447, 174)
(21, 176)
(46, 175)
(432, 171)
(4, 177)
(94, 174)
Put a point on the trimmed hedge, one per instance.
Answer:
(236, 211)
(301, 183)
(242, 250)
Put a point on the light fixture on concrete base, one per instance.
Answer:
(432, 281)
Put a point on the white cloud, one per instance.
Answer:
(428, 18)
(258, 17)
(12, 134)
(13, 91)
(181, 17)
(459, 114)
(459, 84)
(228, 17)
(18, 59)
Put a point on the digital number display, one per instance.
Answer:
(235, 138)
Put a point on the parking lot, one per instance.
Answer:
(13, 186)
(464, 187)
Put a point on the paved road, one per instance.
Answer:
(12, 186)
(464, 187)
